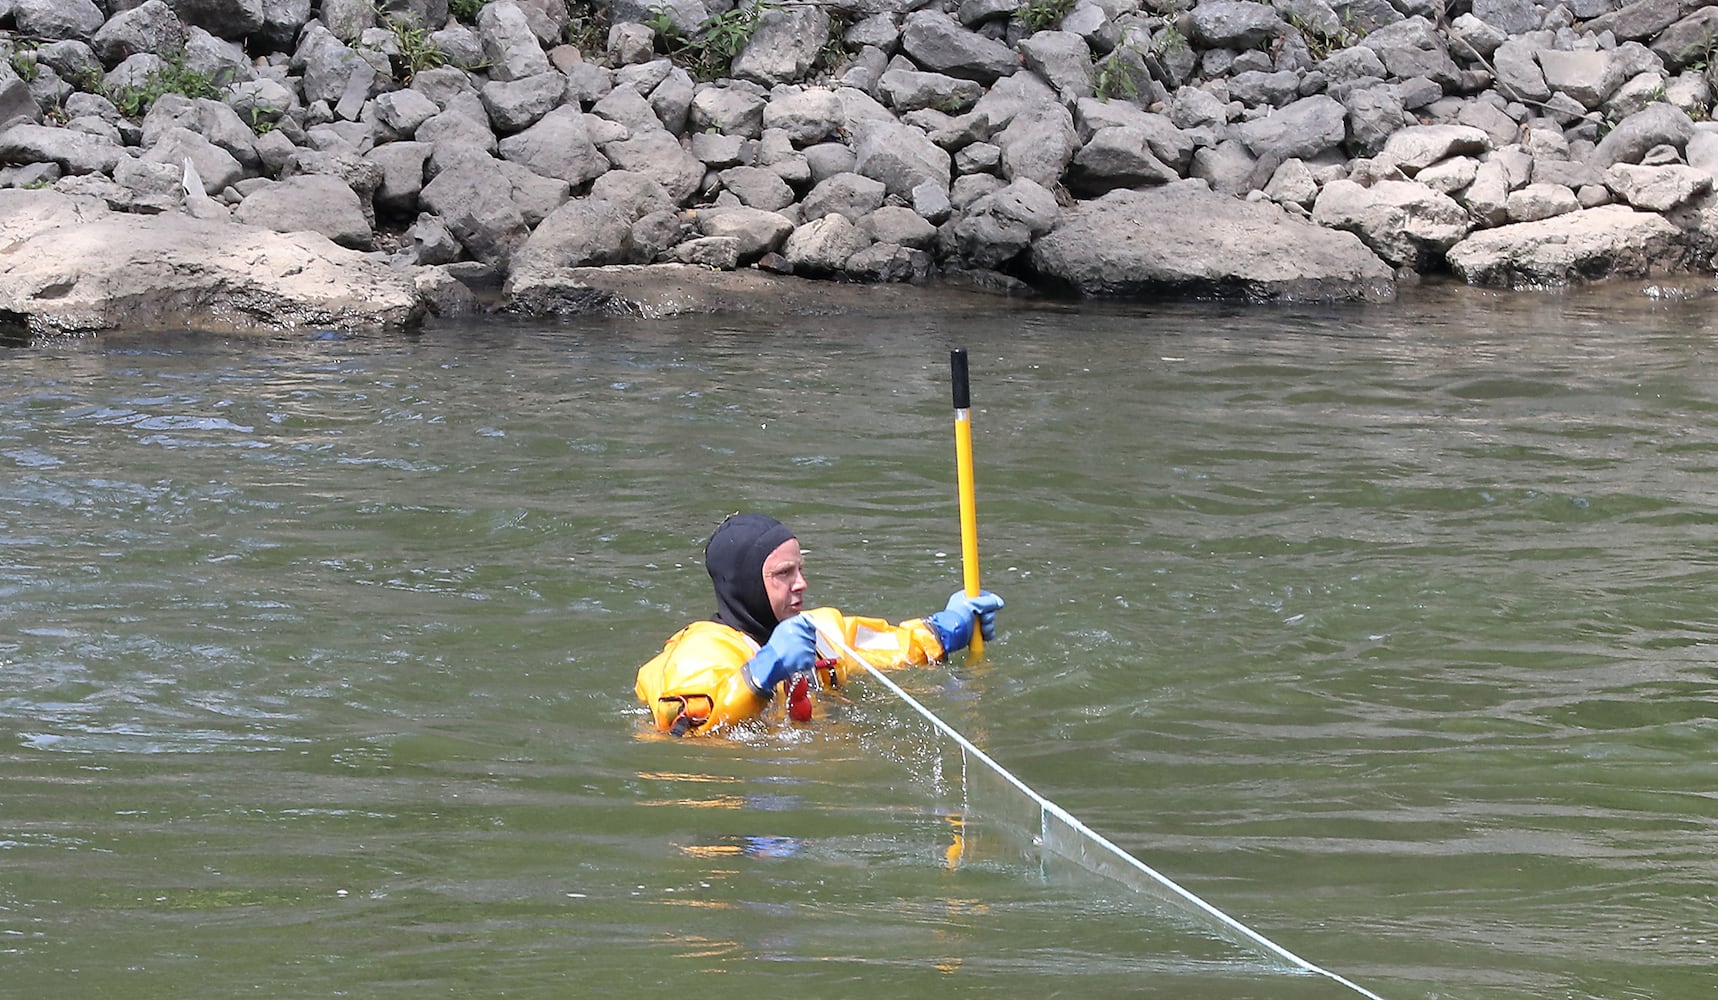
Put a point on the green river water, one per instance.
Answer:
(1387, 630)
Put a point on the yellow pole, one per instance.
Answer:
(963, 477)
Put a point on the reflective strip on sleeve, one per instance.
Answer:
(872, 641)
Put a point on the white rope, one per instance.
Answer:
(1048, 809)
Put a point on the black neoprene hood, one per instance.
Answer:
(735, 558)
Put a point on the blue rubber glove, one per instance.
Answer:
(953, 625)
(792, 648)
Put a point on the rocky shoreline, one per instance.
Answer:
(364, 164)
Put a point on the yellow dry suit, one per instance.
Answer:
(698, 683)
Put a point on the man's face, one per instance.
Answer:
(784, 580)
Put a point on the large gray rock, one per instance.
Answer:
(731, 110)
(715, 150)
(213, 120)
(912, 90)
(938, 43)
(807, 116)
(1119, 156)
(1490, 119)
(626, 106)
(755, 231)
(1414, 47)
(558, 146)
(16, 103)
(457, 129)
(1656, 125)
(1537, 201)
(1303, 130)
(719, 253)
(402, 167)
(75, 152)
(514, 105)
(1230, 169)
(658, 233)
(54, 19)
(685, 15)
(315, 203)
(900, 156)
(1590, 77)
(999, 226)
(75, 269)
(1233, 24)
(548, 18)
(1657, 189)
(1411, 150)
(151, 27)
(888, 262)
(157, 187)
(1260, 89)
(633, 195)
(218, 168)
(536, 196)
(1184, 240)
(1512, 17)
(1486, 198)
(1063, 59)
(581, 233)
(281, 22)
(223, 18)
(216, 58)
(1352, 64)
(509, 43)
(326, 65)
(784, 46)
(822, 246)
(1639, 20)
(899, 225)
(672, 99)
(659, 155)
(1374, 114)
(443, 85)
(1689, 41)
(1519, 75)
(1012, 95)
(826, 159)
(1611, 241)
(1038, 144)
(402, 111)
(848, 194)
(1168, 143)
(1470, 36)
(757, 187)
(474, 199)
(1406, 224)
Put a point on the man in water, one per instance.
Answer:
(725, 670)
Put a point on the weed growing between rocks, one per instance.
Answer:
(23, 61)
(1320, 42)
(175, 77)
(1040, 15)
(1169, 41)
(710, 51)
(466, 10)
(587, 25)
(1111, 79)
(415, 50)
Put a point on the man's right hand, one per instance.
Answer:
(792, 649)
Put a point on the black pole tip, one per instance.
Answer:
(957, 373)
